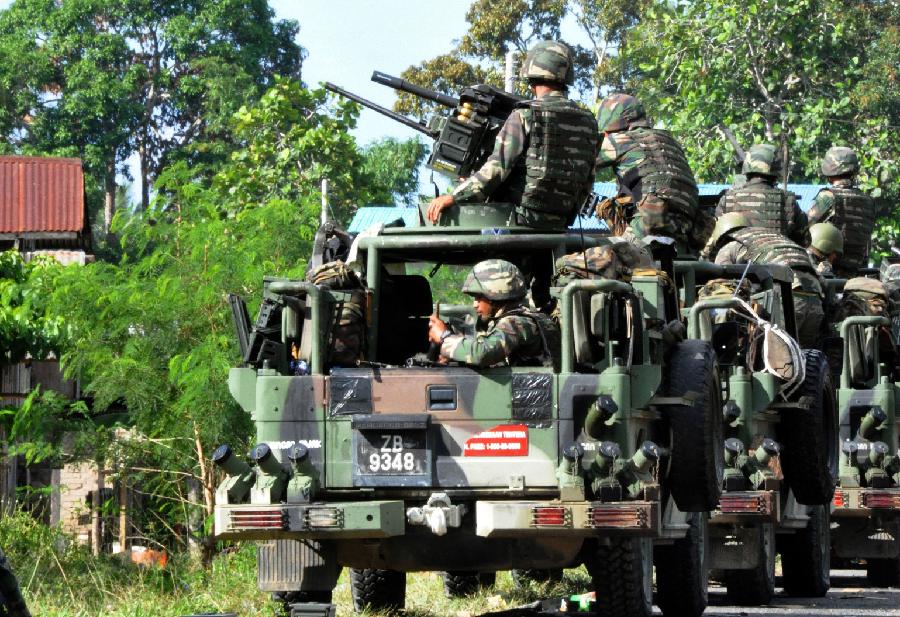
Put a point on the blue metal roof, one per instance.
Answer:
(371, 215)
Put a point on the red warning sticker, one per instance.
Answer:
(502, 440)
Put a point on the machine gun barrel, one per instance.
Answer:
(401, 84)
(393, 115)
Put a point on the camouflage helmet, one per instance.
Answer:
(890, 269)
(826, 238)
(866, 285)
(549, 61)
(840, 161)
(727, 223)
(496, 280)
(619, 112)
(762, 159)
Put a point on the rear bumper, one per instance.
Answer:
(737, 507)
(865, 502)
(384, 519)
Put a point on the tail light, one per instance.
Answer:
(840, 500)
(881, 500)
(550, 516)
(620, 516)
(247, 520)
(753, 503)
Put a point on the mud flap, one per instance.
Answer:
(296, 565)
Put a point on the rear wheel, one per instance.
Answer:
(806, 557)
(810, 436)
(378, 590)
(697, 463)
(462, 584)
(622, 576)
(682, 576)
(755, 586)
(883, 572)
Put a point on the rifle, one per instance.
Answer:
(464, 139)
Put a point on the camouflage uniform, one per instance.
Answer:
(656, 191)
(890, 276)
(12, 604)
(865, 297)
(544, 154)
(847, 207)
(515, 334)
(755, 245)
(766, 205)
(825, 239)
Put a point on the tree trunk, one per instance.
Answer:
(96, 517)
(123, 512)
(145, 182)
(109, 186)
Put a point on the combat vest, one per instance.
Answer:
(663, 171)
(551, 339)
(763, 247)
(552, 180)
(853, 213)
(763, 204)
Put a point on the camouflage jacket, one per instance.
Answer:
(509, 155)
(756, 245)
(823, 266)
(516, 336)
(853, 212)
(767, 206)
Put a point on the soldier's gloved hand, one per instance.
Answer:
(438, 205)
(436, 329)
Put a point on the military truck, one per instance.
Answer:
(781, 439)
(398, 464)
(866, 505)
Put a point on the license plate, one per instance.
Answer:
(392, 453)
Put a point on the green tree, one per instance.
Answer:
(792, 74)
(390, 170)
(104, 80)
(496, 27)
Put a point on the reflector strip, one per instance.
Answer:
(245, 520)
(881, 500)
(746, 503)
(619, 516)
(550, 516)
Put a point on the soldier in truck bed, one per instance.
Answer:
(508, 332)
(543, 157)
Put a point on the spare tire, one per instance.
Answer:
(810, 436)
(697, 463)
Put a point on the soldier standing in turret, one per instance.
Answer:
(735, 241)
(848, 208)
(508, 331)
(543, 157)
(763, 203)
(657, 193)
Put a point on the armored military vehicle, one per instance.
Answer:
(396, 464)
(866, 505)
(781, 433)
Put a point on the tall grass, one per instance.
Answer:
(62, 579)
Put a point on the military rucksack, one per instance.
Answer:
(613, 261)
(347, 331)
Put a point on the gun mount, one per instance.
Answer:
(463, 139)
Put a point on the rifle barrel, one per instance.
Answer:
(393, 115)
(401, 84)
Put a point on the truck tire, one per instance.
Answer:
(883, 572)
(810, 436)
(756, 586)
(521, 577)
(622, 577)
(697, 464)
(378, 590)
(462, 584)
(806, 557)
(682, 575)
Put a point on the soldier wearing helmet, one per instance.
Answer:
(508, 332)
(657, 192)
(765, 204)
(825, 247)
(735, 241)
(543, 157)
(846, 207)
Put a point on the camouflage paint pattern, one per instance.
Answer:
(515, 336)
(767, 206)
(549, 61)
(762, 159)
(618, 112)
(840, 161)
(496, 280)
(845, 206)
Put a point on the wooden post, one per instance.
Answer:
(96, 520)
(123, 512)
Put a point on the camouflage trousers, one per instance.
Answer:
(12, 604)
(810, 316)
(653, 217)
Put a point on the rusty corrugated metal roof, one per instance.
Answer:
(41, 194)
